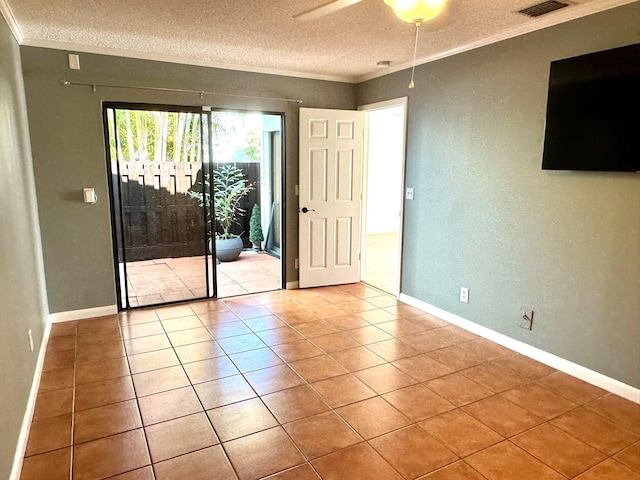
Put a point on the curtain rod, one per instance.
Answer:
(93, 86)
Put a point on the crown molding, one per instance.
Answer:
(159, 57)
(8, 15)
(561, 16)
(556, 18)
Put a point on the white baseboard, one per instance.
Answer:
(566, 366)
(293, 285)
(82, 314)
(21, 447)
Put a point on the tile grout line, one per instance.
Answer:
(330, 409)
(530, 381)
(494, 394)
(73, 403)
(259, 397)
(201, 405)
(144, 432)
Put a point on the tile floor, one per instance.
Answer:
(163, 280)
(382, 261)
(330, 383)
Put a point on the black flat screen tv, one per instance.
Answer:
(593, 112)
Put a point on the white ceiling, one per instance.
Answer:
(263, 36)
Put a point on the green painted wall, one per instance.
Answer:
(485, 216)
(22, 290)
(68, 152)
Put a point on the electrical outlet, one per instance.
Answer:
(30, 340)
(464, 294)
(409, 194)
(297, 263)
(526, 318)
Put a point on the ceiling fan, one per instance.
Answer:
(325, 9)
(411, 11)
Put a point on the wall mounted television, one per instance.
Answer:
(593, 112)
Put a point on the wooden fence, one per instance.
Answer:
(160, 218)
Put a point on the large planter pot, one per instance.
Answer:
(228, 249)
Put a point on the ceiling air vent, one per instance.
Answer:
(543, 8)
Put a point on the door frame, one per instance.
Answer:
(207, 109)
(117, 226)
(366, 109)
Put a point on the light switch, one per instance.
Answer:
(74, 61)
(89, 195)
(409, 194)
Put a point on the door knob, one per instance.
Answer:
(305, 210)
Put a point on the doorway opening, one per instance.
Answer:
(383, 195)
(165, 168)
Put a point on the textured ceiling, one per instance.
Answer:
(262, 35)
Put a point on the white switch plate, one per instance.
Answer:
(409, 194)
(89, 195)
(74, 61)
(464, 294)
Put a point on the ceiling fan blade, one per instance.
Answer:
(325, 9)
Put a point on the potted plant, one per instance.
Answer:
(229, 188)
(256, 237)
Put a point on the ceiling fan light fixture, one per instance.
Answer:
(416, 11)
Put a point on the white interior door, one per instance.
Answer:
(330, 196)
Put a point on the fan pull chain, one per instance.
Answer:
(415, 53)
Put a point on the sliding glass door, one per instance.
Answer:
(157, 163)
(171, 171)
